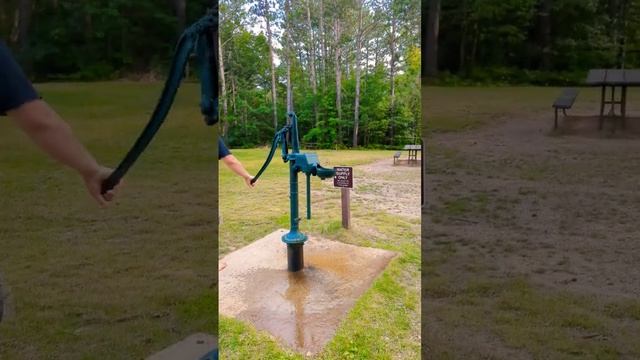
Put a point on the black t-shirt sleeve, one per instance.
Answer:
(222, 149)
(15, 88)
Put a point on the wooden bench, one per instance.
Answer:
(563, 102)
(396, 156)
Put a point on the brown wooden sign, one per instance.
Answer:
(344, 177)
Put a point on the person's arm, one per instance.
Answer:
(54, 136)
(236, 166)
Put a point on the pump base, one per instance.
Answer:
(304, 308)
(295, 257)
(294, 237)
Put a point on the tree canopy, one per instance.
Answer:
(95, 39)
(535, 41)
(349, 69)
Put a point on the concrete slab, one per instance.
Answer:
(302, 309)
(194, 347)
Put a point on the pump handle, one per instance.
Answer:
(279, 137)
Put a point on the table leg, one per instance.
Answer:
(623, 106)
(602, 97)
(612, 111)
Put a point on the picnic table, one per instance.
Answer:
(413, 151)
(613, 79)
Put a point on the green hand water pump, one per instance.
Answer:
(306, 163)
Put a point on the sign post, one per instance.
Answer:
(344, 180)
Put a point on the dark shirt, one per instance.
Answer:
(15, 88)
(222, 149)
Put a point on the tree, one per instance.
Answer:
(337, 33)
(223, 87)
(180, 8)
(392, 65)
(359, 40)
(545, 33)
(264, 10)
(288, 54)
(312, 63)
(356, 109)
(25, 8)
(432, 27)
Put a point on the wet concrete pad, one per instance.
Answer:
(303, 309)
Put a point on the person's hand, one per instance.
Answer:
(247, 180)
(93, 182)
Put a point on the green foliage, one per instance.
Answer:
(498, 41)
(248, 73)
(98, 39)
(323, 134)
(511, 76)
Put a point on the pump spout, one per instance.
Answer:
(324, 173)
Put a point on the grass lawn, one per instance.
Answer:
(451, 109)
(117, 283)
(530, 253)
(385, 322)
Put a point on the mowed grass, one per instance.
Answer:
(543, 324)
(451, 109)
(122, 282)
(385, 322)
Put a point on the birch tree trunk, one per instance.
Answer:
(323, 45)
(223, 87)
(312, 63)
(392, 73)
(289, 57)
(338, 68)
(274, 96)
(359, 35)
(234, 94)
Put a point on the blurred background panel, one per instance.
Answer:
(126, 281)
(529, 232)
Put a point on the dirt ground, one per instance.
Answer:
(388, 187)
(517, 200)
(2, 300)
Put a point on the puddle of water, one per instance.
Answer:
(305, 308)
